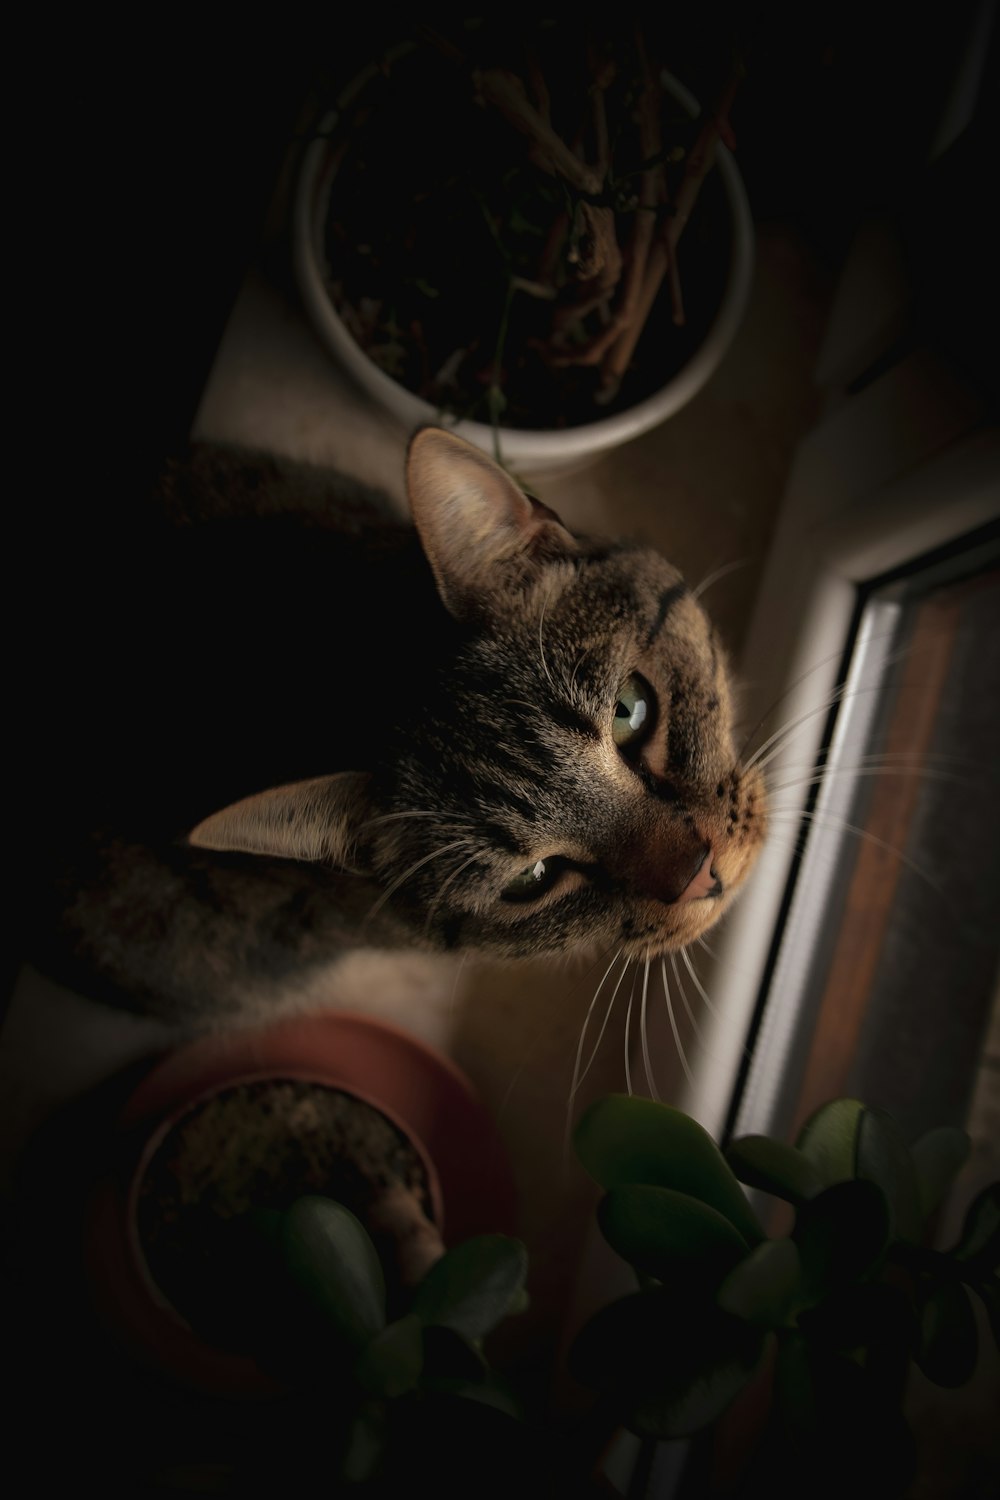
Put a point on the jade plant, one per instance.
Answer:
(823, 1323)
(371, 1384)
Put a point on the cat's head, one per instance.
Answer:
(569, 777)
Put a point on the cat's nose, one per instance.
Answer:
(704, 882)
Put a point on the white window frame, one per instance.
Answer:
(907, 465)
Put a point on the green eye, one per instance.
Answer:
(633, 711)
(534, 881)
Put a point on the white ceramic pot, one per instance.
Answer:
(525, 451)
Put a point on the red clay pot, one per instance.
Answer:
(418, 1089)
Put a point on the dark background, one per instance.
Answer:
(156, 152)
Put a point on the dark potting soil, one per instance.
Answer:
(259, 1146)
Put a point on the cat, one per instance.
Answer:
(305, 726)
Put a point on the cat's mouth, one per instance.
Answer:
(675, 927)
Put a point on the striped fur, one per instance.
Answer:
(343, 738)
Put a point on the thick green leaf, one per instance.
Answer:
(949, 1343)
(764, 1287)
(448, 1356)
(794, 1410)
(883, 1157)
(392, 1363)
(366, 1444)
(622, 1139)
(664, 1233)
(861, 1445)
(938, 1157)
(828, 1139)
(979, 1241)
(474, 1285)
(332, 1260)
(988, 1291)
(841, 1236)
(774, 1168)
(861, 1316)
(491, 1392)
(668, 1362)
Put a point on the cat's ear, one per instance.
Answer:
(312, 820)
(477, 527)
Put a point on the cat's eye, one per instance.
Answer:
(633, 717)
(534, 881)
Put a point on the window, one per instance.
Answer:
(882, 976)
(875, 634)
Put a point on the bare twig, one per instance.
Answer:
(555, 240)
(506, 92)
(653, 188)
(701, 157)
(590, 353)
(619, 355)
(622, 287)
(398, 1212)
(599, 257)
(662, 260)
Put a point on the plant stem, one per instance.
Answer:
(398, 1212)
(496, 393)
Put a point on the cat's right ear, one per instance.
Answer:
(311, 820)
(478, 529)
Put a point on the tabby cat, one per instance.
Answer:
(304, 726)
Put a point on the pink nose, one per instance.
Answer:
(704, 883)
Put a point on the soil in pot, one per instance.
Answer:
(254, 1148)
(483, 280)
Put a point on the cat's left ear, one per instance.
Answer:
(311, 820)
(477, 527)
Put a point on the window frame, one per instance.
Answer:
(906, 465)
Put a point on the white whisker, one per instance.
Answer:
(923, 773)
(396, 817)
(716, 574)
(684, 999)
(643, 1035)
(827, 820)
(673, 1025)
(781, 736)
(541, 645)
(871, 765)
(579, 663)
(816, 666)
(628, 1020)
(476, 854)
(698, 984)
(418, 864)
(578, 1077)
(709, 1006)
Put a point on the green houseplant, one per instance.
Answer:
(819, 1326)
(332, 1104)
(813, 1332)
(376, 1395)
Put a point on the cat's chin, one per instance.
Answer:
(674, 928)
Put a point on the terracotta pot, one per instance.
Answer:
(416, 1089)
(533, 452)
